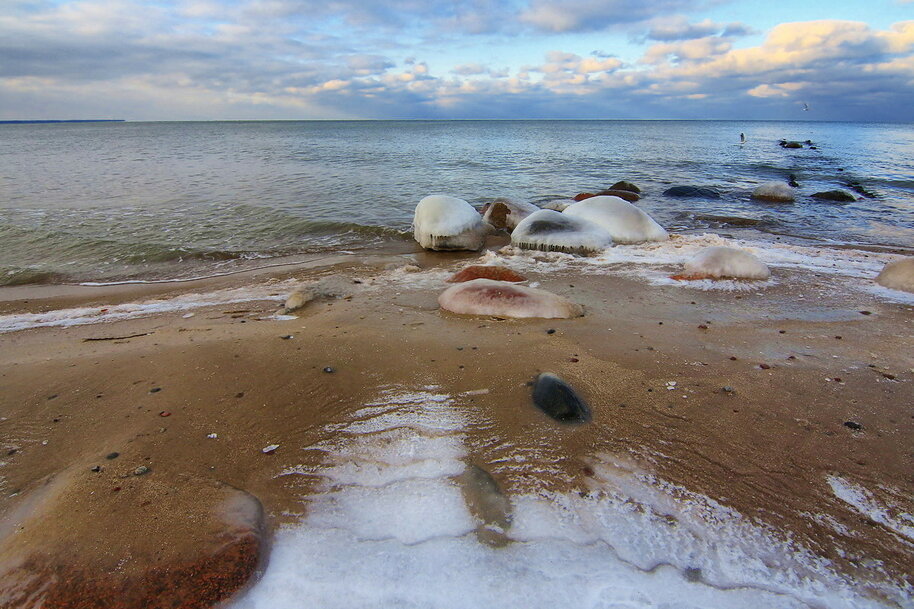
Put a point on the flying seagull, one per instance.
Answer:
(805, 107)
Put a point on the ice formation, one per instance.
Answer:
(551, 231)
(507, 214)
(488, 297)
(898, 275)
(624, 222)
(448, 223)
(778, 192)
(720, 262)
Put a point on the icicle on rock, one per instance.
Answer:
(551, 231)
(777, 192)
(724, 263)
(479, 271)
(898, 275)
(556, 398)
(624, 222)
(506, 214)
(448, 223)
(488, 297)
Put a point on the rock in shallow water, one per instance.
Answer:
(488, 297)
(556, 398)
(551, 231)
(447, 223)
(691, 192)
(776, 192)
(507, 214)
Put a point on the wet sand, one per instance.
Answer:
(764, 384)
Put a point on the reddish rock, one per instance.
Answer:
(583, 195)
(626, 195)
(497, 273)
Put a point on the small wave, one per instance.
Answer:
(19, 276)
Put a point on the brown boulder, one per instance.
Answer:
(478, 271)
(583, 195)
(623, 185)
(626, 195)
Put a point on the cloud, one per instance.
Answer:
(589, 15)
(678, 27)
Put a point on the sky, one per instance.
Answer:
(457, 59)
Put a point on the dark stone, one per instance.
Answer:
(692, 574)
(691, 192)
(96, 468)
(623, 185)
(550, 331)
(835, 195)
(860, 189)
(111, 456)
(853, 425)
(155, 390)
(626, 195)
(583, 195)
(557, 399)
(287, 337)
(786, 144)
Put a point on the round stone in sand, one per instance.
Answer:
(488, 297)
(898, 275)
(480, 271)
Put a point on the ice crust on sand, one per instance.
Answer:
(725, 262)
(866, 504)
(898, 275)
(448, 223)
(778, 192)
(624, 222)
(490, 297)
(628, 540)
(552, 231)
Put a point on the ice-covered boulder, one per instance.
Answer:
(489, 297)
(898, 275)
(448, 223)
(719, 262)
(624, 222)
(777, 192)
(507, 214)
(551, 231)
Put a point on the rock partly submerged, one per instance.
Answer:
(720, 262)
(499, 298)
(552, 231)
(557, 399)
(480, 271)
(691, 192)
(776, 192)
(624, 222)
(447, 223)
(506, 214)
(898, 275)
(839, 196)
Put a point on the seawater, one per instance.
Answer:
(120, 201)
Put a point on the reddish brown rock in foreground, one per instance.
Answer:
(583, 195)
(626, 195)
(477, 271)
(175, 546)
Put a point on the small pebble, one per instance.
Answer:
(141, 470)
(853, 425)
(838, 338)
(791, 357)
(329, 370)
(574, 360)
(111, 456)
(550, 331)
(240, 394)
(269, 450)
(782, 331)
(96, 468)
(702, 327)
(733, 358)
(164, 413)
(286, 337)
(891, 377)
(51, 397)
(727, 388)
(212, 436)
(764, 366)
(155, 390)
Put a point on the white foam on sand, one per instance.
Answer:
(388, 527)
(867, 504)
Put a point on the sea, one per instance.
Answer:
(148, 201)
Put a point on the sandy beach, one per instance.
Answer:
(767, 401)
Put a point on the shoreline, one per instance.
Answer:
(799, 356)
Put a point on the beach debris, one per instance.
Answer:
(287, 337)
(297, 300)
(557, 399)
(624, 222)
(550, 331)
(329, 370)
(507, 214)
(551, 231)
(164, 413)
(88, 340)
(853, 425)
(499, 298)
(670, 385)
(187, 315)
(141, 470)
(776, 192)
(727, 389)
(446, 223)
(718, 262)
(479, 271)
(95, 468)
(898, 275)
(691, 192)
(840, 196)
(212, 436)
(269, 449)
(155, 390)
(764, 366)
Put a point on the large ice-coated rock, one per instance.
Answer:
(898, 275)
(448, 223)
(719, 262)
(551, 231)
(777, 192)
(624, 222)
(489, 297)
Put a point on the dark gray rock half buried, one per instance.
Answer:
(691, 192)
(556, 398)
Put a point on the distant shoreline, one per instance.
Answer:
(87, 120)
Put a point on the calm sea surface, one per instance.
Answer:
(116, 201)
